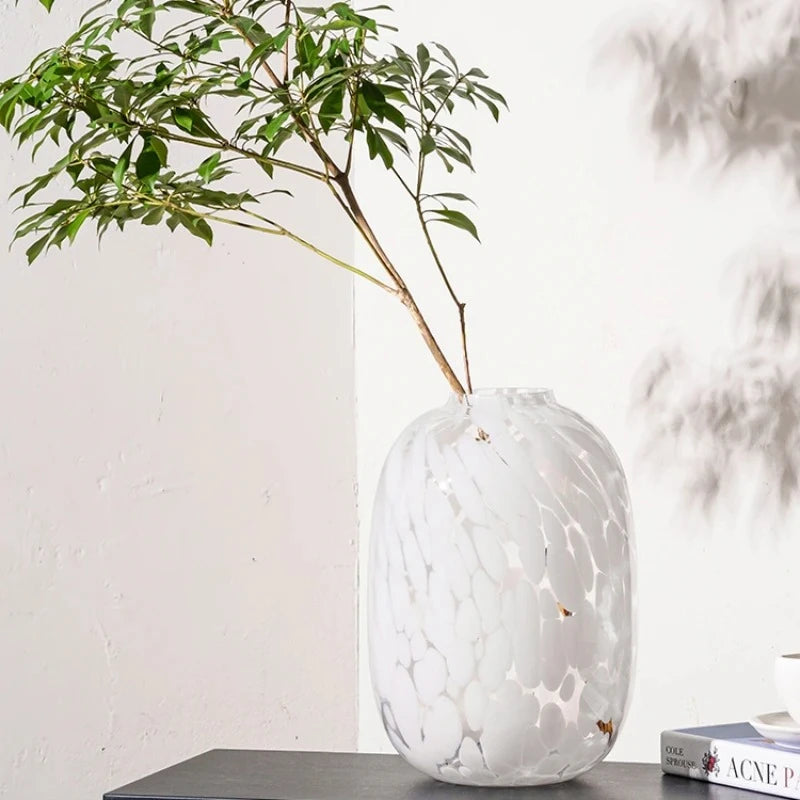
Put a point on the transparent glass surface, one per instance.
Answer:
(500, 608)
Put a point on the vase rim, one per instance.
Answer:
(535, 394)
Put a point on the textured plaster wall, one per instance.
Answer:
(596, 253)
(177, 515)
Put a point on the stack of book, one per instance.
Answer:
(733, 755)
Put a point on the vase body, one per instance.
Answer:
(500, 605)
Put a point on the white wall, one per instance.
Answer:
(595, 254)
(177, 515)
(176, 469)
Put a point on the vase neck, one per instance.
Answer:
(511, 395)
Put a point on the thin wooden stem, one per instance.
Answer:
(405, 295)
(287, 20)
(166, 51)
(462, 307)
(330, 167)
(338, 179)
(403, 183)
(224, 144)
(351, 134)
(426, 127)
(275, 230)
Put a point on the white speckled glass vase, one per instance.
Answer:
(500, 612)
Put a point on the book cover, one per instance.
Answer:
(732, 755)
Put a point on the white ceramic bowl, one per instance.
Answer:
(779, 728)
(787, 680)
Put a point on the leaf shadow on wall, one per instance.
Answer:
(727, 76)
(734, 426)
(724, 80)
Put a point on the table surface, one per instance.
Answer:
(259, 775)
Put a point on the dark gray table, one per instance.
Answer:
(255, 775)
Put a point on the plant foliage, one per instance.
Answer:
(229, 82)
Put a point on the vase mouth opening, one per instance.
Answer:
(528, 395)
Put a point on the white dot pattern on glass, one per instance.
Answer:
(500, 610)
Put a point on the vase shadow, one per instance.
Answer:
(429, 789)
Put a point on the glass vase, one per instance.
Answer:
(500, 606)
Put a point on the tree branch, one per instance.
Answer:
(426, 127)
(352, 131)
(348, 201)
(444, 101)
(224, 144)
(330, 166)
(462, 307)
(275, 230)
(166, 51)
(287, 20)
(405, 295)
(403, 183)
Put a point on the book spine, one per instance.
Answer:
(738, 764)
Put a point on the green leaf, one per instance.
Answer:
(75, 170)
(267, 167)
(461, 139)
(308, 53)
(447, 164)
(154, 216)
(495, 111)
(427, 144)
(457, 219)
(35, 186)
(261, 51)
(197, 226)
(251, 28)
(456, 155)
(243, 81)
(75, 225)
(160, 149)
(8, 104)
(378, 147)
(48, 4)
(372, 144)
(206, 169)
(394, 115)
(447, 54)
(192, 121)
(374, 98)
(439, 75)
(275, 125)
(395, 138)
(122, 166)
(202, 230)
(462, 198)
(280, 40)
(424, 58)
(183, 118)
(492, 94)
(148, 165)
(331, 109)
(36, 248)
(147, 18)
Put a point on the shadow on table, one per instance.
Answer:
(605, 782)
